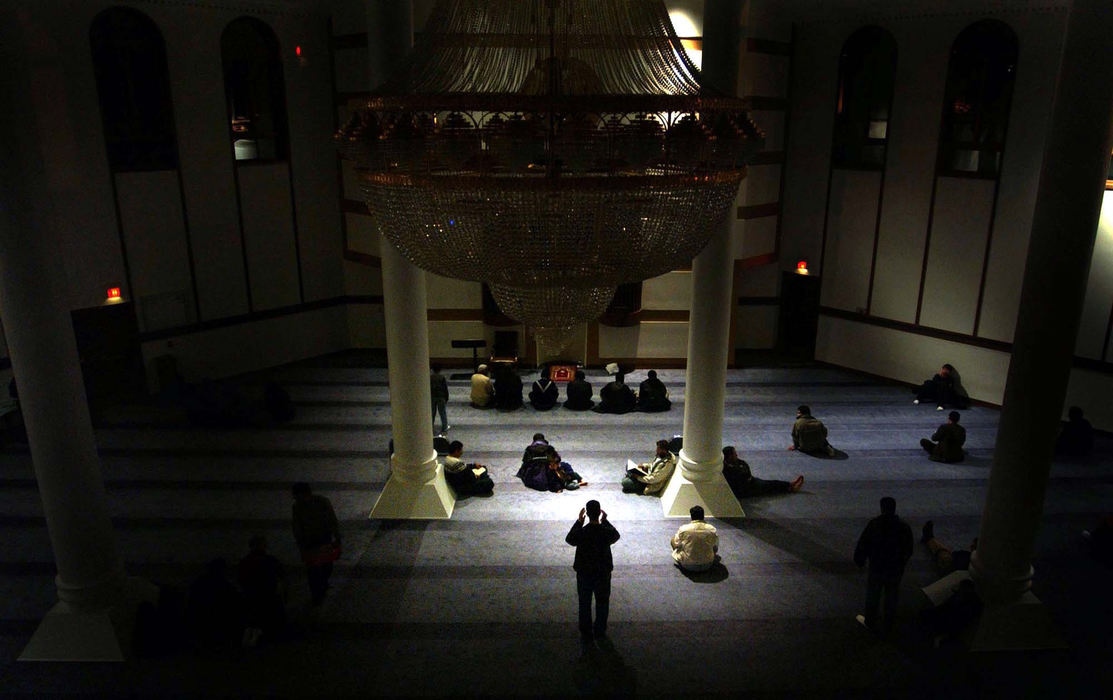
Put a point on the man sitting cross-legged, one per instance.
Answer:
(695, 545)
(465, 479)
(650, 477)
(809, 435)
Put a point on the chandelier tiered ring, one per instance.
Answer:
(553, 149)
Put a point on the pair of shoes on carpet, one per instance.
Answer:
(928, 531)
(938, 408)
(796, 484)
(915, 402)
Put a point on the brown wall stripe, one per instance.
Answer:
(759, 211)
(767, 103)
(454, 314)
(755, 261)
(363, 258)
(354, 206)
(769, 46)
(768, 158)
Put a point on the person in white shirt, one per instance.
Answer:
(650, 477)
(695, 545)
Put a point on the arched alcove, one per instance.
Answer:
(867, 72)
(255, 90)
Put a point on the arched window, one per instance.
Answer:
(867, 71)
(255, 90)
(976, 103)
(133, 85)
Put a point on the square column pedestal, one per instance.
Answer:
(710, 490)
(415, 500)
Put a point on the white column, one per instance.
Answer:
(92, 589)
(699, 479)
(416, 487)
(1064, 224)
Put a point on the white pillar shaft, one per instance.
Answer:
(407, 348)
(52, 398)
(708, 336)
(1060, 247)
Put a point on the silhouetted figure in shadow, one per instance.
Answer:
(578, 393)
(317, 533)
(616, 397)
(543, 394)
(277, 402)
(952, 616)
(944, 389)
(466, 479)
(653, 397)
(885, 545)
(947, 441)
(263, 582)
(508, 388)
(744, 484)
(593, 565)
(215, 608)
(1077, 437)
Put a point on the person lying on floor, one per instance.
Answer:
(561, 475)
(809, 435)
(650, 477)
(616, 397)
(946, 444)
(653, 397)
(744, 484)
(946, 560)
(466, 479)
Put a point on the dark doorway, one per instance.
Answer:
(799, 315)
(108, 347)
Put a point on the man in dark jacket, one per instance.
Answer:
(317, 533)
(593, 567)
(652, 395)
(886, 545)
(616, 397)
(438, 392)
(946, 444)
(578, 393)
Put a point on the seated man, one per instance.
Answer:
(695, 545)
(809, 435)
(482, 390)
(534, 471)
(578, 393)
(948, 441)
(508, 389)
(945, 389)
(1077, 438)
(616, 397)
(465, 479)
(543, 395)
(946, 561)
(650, 477)
(744, 484)
(652, 395)
(263, 582)
(561, 475)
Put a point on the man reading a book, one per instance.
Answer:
(650, 477)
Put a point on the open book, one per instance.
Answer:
(634, 467)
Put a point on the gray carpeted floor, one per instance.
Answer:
(485, 603)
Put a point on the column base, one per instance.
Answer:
(69, 633)
(409, 500)
(714, 495)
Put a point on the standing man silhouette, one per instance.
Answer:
(593, 567)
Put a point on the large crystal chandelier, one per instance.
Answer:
(551, 148)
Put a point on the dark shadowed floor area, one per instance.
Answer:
(484, 604)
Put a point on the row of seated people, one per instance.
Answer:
(504, 392)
